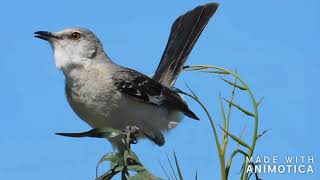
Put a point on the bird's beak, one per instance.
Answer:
(45, 35)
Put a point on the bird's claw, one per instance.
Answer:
(134, 132)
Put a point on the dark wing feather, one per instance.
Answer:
(185, 31)
(145, 89)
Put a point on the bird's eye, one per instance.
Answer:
(75, 35)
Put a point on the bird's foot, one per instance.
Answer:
(134, 133)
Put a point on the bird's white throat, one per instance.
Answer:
(64, 58)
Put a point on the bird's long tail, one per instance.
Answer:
(185, 31)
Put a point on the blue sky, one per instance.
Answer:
(274, 45)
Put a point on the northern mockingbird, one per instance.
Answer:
(105, 94)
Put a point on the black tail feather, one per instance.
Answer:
(185, 32)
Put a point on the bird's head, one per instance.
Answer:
(73, 46)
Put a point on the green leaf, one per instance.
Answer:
(130, 155)
(171, 167)
(108, 175)
(235, 138)
(215, 72)
(193, 93)
(222, 110)
(242, 170)
(223, 116)
(177, 165)
(119, 168)
(177, 90)
(240, 108)
(196, 175)
(135, 168)
(115, 158)
(186, 68)
(260, 101)
(96, 132)
(234, 153)
(233, 84)
(143, 175)
(164, 171)
(260, 135)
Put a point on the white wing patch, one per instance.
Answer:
(156, 99)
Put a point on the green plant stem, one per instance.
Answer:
(221, 156)
(255, 107)
(225, 144)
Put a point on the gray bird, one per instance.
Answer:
(105, 94)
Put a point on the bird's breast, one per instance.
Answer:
(92, 97)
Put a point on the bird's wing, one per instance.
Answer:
(145, 89)
(185, 31)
